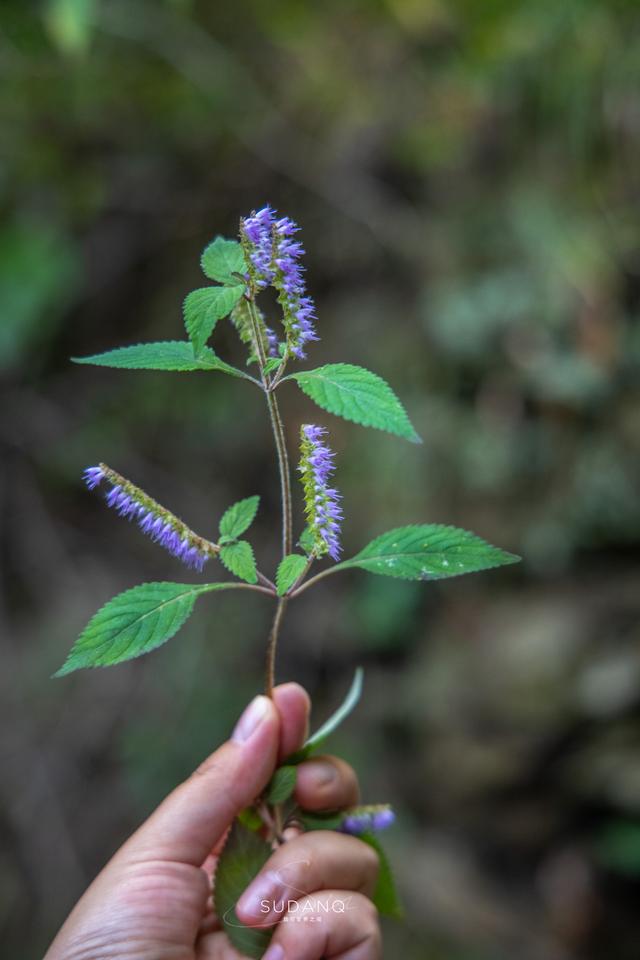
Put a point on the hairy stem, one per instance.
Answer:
(272, 646)
(285, 479)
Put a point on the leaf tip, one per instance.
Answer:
(67, 667)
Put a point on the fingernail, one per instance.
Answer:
(322, 772)
(275, 952)
(259, 899)
(250, 719)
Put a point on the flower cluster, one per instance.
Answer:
(274, 256)
(368, 819)
(322, 508)
(161, 525)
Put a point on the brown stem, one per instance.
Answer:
(272, 647)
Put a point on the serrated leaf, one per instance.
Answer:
(243, 856)
(238, 559)
(428, 552)
(221, 259)
(385, 896)
(317, 739)
(204, 307)
(133, 623)
(239, 517)
(282, 784)
(175, 355)
(356, 394)
(289, 569)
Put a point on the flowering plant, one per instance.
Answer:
(141, 619)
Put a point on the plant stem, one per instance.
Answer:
(285, 489)
(285, 480)
(272, 646)
(278, 434)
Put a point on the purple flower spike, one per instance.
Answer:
(368, 819)
(163, 527)
(322, 507)
(274, 258)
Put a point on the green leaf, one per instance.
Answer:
(222, 259)
(428, 552)
(243, 856)
(272, 364)
(250, 819)
(70, 23)
(385, 896)
(177, 355)
(239, 517)
(317, 739)
(356, 394)
(238, 558)
(320, 821)
(307, 540)
(282, 784)
(289, 569)
(204, 307)
(133, 623)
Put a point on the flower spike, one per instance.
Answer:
(274, 259)
(154, 520)
(322, 508)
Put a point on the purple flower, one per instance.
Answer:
(322, 507)
(163, 527)
(275, 260)
(93, 476)
(368, 819)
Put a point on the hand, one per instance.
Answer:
(152, 901)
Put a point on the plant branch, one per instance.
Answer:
(319, 576)
(208, 587)
(266, 582)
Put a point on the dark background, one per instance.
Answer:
(467, 179)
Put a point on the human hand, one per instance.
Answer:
(153, 899)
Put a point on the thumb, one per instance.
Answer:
(193, 818)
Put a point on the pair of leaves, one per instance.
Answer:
(141, 619)
(356, 394)
(223, 261)
(237, 555)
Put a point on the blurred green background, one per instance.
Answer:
(467, 178)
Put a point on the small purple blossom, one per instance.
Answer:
(275, 260)
(322, 507)
(369, 819)
(93, 476)
(156, 522)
